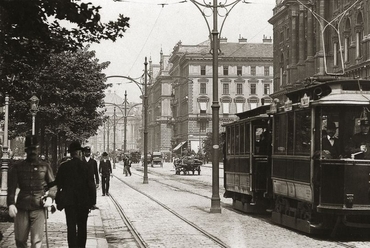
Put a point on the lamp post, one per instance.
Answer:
(114, 137)
(125, 125)
(34, 109)
(145, 107)
(5, 157)
(214, 35)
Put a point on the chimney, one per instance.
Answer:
(242, 40)
(266, 40)
(223, 40)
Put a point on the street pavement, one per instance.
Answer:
(161, 228)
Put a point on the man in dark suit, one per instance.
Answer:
(73, 187)
(330, 144)
(105, 169)
(93, 175)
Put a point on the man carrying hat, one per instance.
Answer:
(93, 175)
(31, 176)
(73, 195)
(360, 142)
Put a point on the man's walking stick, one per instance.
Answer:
(46, 226)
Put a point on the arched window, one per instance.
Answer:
(359, 33)
(347, 39)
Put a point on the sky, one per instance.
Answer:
(157, 25)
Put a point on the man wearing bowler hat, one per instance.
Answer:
(73, 188)
(360, 142)
(31, 176)
(105, 169)
(93, 175)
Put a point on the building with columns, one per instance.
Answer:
(110, 136)
(320, 38)
(180, 95)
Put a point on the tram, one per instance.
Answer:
(277, 158)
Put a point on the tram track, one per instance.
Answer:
(136, 235)
(179, 216)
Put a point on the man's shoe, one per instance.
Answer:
(107, 194)
(94, 207)
(103, 194)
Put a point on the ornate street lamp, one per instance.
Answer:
(5, 157)
(215, 49)
(34, 101)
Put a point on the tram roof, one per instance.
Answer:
(261, 110)
(350, 91)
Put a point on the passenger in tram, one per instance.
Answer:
(359, 144)
(330, 143)
(264, 144)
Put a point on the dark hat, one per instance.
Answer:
(31, 141)
(105, 154)
(331, 125)
(365, 123)
(87, 149)
(74, 146)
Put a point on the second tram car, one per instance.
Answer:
(313, 174)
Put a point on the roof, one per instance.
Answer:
(232, 49)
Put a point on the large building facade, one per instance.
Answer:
(180, 96)
(111, 136)
(319, 38)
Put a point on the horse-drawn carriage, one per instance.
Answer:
(186, 165)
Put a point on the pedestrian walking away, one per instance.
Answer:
(127, 165)
(73, 195)
(31, 176)
(93, 175)
(105, 170)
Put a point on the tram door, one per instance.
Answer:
(261, 157)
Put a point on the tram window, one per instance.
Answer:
(242, 138)
(303, 132)
(228, 142)
(280, 134)
(237, 139)
(247, 138)
(261, 141)
(290, 133)
(232, 141)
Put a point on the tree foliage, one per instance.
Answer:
(208, 146)
(70, 89)
(31, 29)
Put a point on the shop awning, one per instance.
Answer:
(179, 145)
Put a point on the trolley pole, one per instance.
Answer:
(145, 181)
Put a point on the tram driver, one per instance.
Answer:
(359, 145)
(330, 143)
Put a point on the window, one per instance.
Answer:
(203, 88)
(226, 70)
(203, 107)
(253, 70)
(253, 89)
(267, 70)
(239, 89)
(203, 126)
(266, 89)
(335, 53)
(225, 89)
(239, 107)
(226, 108)
(239, 70)
(358, 44)
(202, 70)
(346, 49)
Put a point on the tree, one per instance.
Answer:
(30, 31)
(208, 147)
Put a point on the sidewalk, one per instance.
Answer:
(57, 231)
